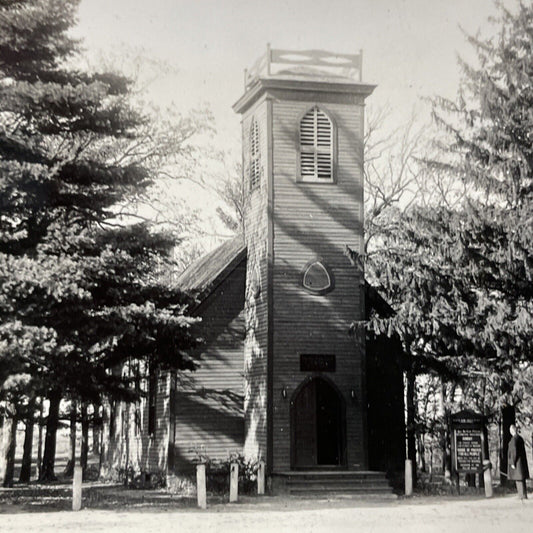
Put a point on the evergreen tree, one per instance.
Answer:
(459, 273)
(491, 132)
(79, 289)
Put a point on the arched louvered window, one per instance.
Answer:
(255, 156)
(316, 146)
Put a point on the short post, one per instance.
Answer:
(76, 488)
(487, 478)
(408, 477)
(261, 478)
(234, 483)
(200, 486)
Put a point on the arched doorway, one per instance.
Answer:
(317, 426)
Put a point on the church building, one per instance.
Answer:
(284, 375)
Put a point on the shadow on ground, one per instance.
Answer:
(58, 497)
(34, 497)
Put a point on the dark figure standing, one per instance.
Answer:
(517, 462)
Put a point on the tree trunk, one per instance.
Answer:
(40, 440)
(5, 428)
(8, 451)
(508, 418)
(126, 436)
(486, 451)
(69, 469)
(25, 469)
(84, 437)
(422, 452)
(49, 455)
(446, 431)
(97, 425)
(411, 410)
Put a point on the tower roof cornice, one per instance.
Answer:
(300, 84)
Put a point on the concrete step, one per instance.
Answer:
(339, 488)
(356, 483)
(338, 483)
(359, 496)
(335, 475)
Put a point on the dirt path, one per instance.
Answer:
(427, 515)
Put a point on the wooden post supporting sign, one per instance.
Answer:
(234, 483)
(200, 486)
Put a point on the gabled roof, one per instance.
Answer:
(202, 276)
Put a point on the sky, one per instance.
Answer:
(409, 47)
(410, 50)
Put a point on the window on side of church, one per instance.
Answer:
(255, 156)
(316, 147)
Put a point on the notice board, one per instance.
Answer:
(467, 442)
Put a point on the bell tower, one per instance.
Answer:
(302, 127)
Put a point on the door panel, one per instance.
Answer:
(328, 425)
(305, 426)
(317, 426)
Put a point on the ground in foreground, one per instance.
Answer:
(467, 514)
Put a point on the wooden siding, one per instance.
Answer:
(317, 220)
(208, 403)
(256, 296)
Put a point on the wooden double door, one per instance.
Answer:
(318, 426)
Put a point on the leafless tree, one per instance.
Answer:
(392, 170)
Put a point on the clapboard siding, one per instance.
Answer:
(256, 308)
(208, 404)
(316, 220)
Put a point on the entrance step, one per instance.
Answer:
(361, 484)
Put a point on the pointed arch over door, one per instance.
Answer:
(318, 425)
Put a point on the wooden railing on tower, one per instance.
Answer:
(313, 58)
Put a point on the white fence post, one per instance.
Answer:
(408, 477)
(77, 481)
(261, 478)
(234, 483)
(487, 478)
(200, 486)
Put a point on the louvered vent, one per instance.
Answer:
(255, 156)
(316, 146)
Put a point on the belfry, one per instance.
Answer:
(302, 130)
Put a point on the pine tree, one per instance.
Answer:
(79, 289)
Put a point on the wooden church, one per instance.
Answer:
(283, 375)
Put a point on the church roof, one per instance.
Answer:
(203, 275)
